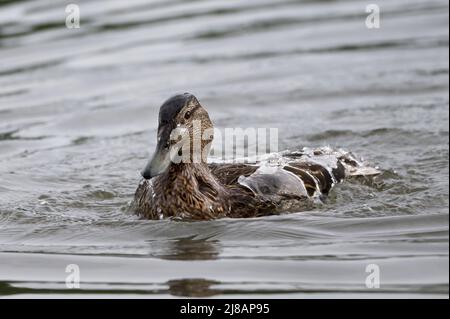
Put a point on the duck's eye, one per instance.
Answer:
(164, 122)
(167, 145)
(187, 115)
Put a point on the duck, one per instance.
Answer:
(179, 183)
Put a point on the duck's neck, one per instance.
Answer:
(187, 170)
(188, 177)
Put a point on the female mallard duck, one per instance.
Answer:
(181, 184)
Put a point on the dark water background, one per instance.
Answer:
(78, 117)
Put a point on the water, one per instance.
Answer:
(78, 114)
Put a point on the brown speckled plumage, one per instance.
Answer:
(201, 191)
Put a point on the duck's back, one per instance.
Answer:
(293, 179)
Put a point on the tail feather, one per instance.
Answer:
(327, 167)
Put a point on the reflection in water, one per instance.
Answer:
(193, 287)
(191, 249)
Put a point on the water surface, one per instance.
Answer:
(78, 114)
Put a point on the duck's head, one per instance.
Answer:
(185, 134)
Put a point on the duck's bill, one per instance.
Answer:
(158, 164)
